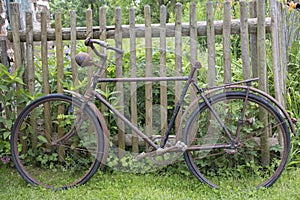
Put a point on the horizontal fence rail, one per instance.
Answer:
(81, 32)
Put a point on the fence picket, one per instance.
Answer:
(226, 42)
(133, 85)
(211, 46)
(29, 54)
(178, 57)
(253, 40)
(244, 39)
(73, 48)
(119, 85)
(163, 70)
(148, 85)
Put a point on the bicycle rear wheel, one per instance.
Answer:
(259, 153)
(56, 142)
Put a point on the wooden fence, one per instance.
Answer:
(252, 31)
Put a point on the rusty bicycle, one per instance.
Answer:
(233, 131)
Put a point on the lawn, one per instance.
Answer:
(118, 185)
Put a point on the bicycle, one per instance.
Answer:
(60, 140)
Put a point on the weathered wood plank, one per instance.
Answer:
(15, 23)
(178, 58)
(102, 36)
(163, 71)
(59, 52)
(29, 54)
(73, 48)
(193, 40)
(244, 39)
(119, 86)
(81, 32)
(211, 46)
(253, 40)
(133, 85)
(226, 42)
(148, 85)
(274, 12)
(263, 77)
(89, 33)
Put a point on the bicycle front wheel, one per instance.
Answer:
(57, 142)
(257, 151)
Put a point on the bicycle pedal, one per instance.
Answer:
(231, 151)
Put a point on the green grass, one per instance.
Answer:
(119, 185)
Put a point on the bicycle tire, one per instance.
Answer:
(41, 160)
(257, 162)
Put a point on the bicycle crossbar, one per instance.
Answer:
(153, 79)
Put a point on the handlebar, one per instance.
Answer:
(89, 42)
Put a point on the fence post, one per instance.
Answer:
(133, 85)
(275, 36)
(148, 84)
(60, 74)
(244, 39)
(193, 40)
(89, 33)
(102, 29)
(73, 49)
(15, 23)
(119, 85)
(211, 46)
(178, 57)
(163, 71)
(253, 40)
(261, 53)
(226, 41)
(29, 53)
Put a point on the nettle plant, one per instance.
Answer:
(12, 97)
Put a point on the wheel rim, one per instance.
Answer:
(244, 162)
(43, 162)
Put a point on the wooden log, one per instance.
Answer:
(226, 42)
(178, 58)
(60, 76)
(148, 85)
(73, 49)
(30, 54)
(163, 71)
(263, 78)
(46, 87)
(211, 46)
(193, 40)
(253, 40)
(102, 36)
(133, 85)
(119, 86)
(244, 39)
(276, 50)
(15, 23)
(81, 32)
(89, 33)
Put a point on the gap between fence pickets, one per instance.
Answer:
(140, 30)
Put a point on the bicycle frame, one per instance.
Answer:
(189, 80)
